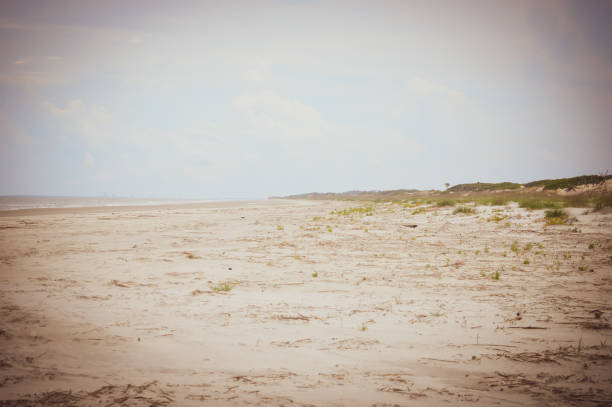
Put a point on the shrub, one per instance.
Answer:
(484, 186)
(556, 213)
(537, 204)
(556, 217)
(602, 202)
(463, 209)
(499, 201)
(446, 202)
(564, 183)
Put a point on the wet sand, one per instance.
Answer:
(285, 302)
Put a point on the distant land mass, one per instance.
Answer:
(592, 184)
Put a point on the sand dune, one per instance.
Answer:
(286, 303)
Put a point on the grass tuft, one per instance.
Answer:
(366, 210)
(446, 202)
(556, 217)
(496, 218)
(418, 210)
(556, 213)
(535, 203)
(464, 209)
(515, 247)
(223, 287)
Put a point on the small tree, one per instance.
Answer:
(447, 185)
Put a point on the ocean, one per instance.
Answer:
(34, 202)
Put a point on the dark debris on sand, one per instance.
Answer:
(149, 394)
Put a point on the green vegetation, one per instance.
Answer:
(315, 274)
(223, 287)
(601, 202)
(280, 227)
(556, 217)
(366, 210)
(446, 202)
(499, 201)
(568, 183)
(484, 186)
(495, 276)
(514, 247)
(418, 210)
(527, 195)
(464, 209)
(496, 218)
(555, 221)
(535, 203)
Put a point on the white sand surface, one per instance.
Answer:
(126, 306)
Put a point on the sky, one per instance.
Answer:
(245, 100)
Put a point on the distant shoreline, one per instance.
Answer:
(123, 208)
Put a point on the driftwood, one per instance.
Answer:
(527, 327)
(297, 317)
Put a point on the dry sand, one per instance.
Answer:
(125, 306)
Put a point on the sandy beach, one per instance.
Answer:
(288, 302)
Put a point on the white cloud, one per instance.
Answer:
(446, 109)
(89, 160)
(136, 40)
(254, 76)
(488, 79)
(289, 121)
(94, 124)
(118, 151)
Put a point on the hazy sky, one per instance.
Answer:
(227, 99)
